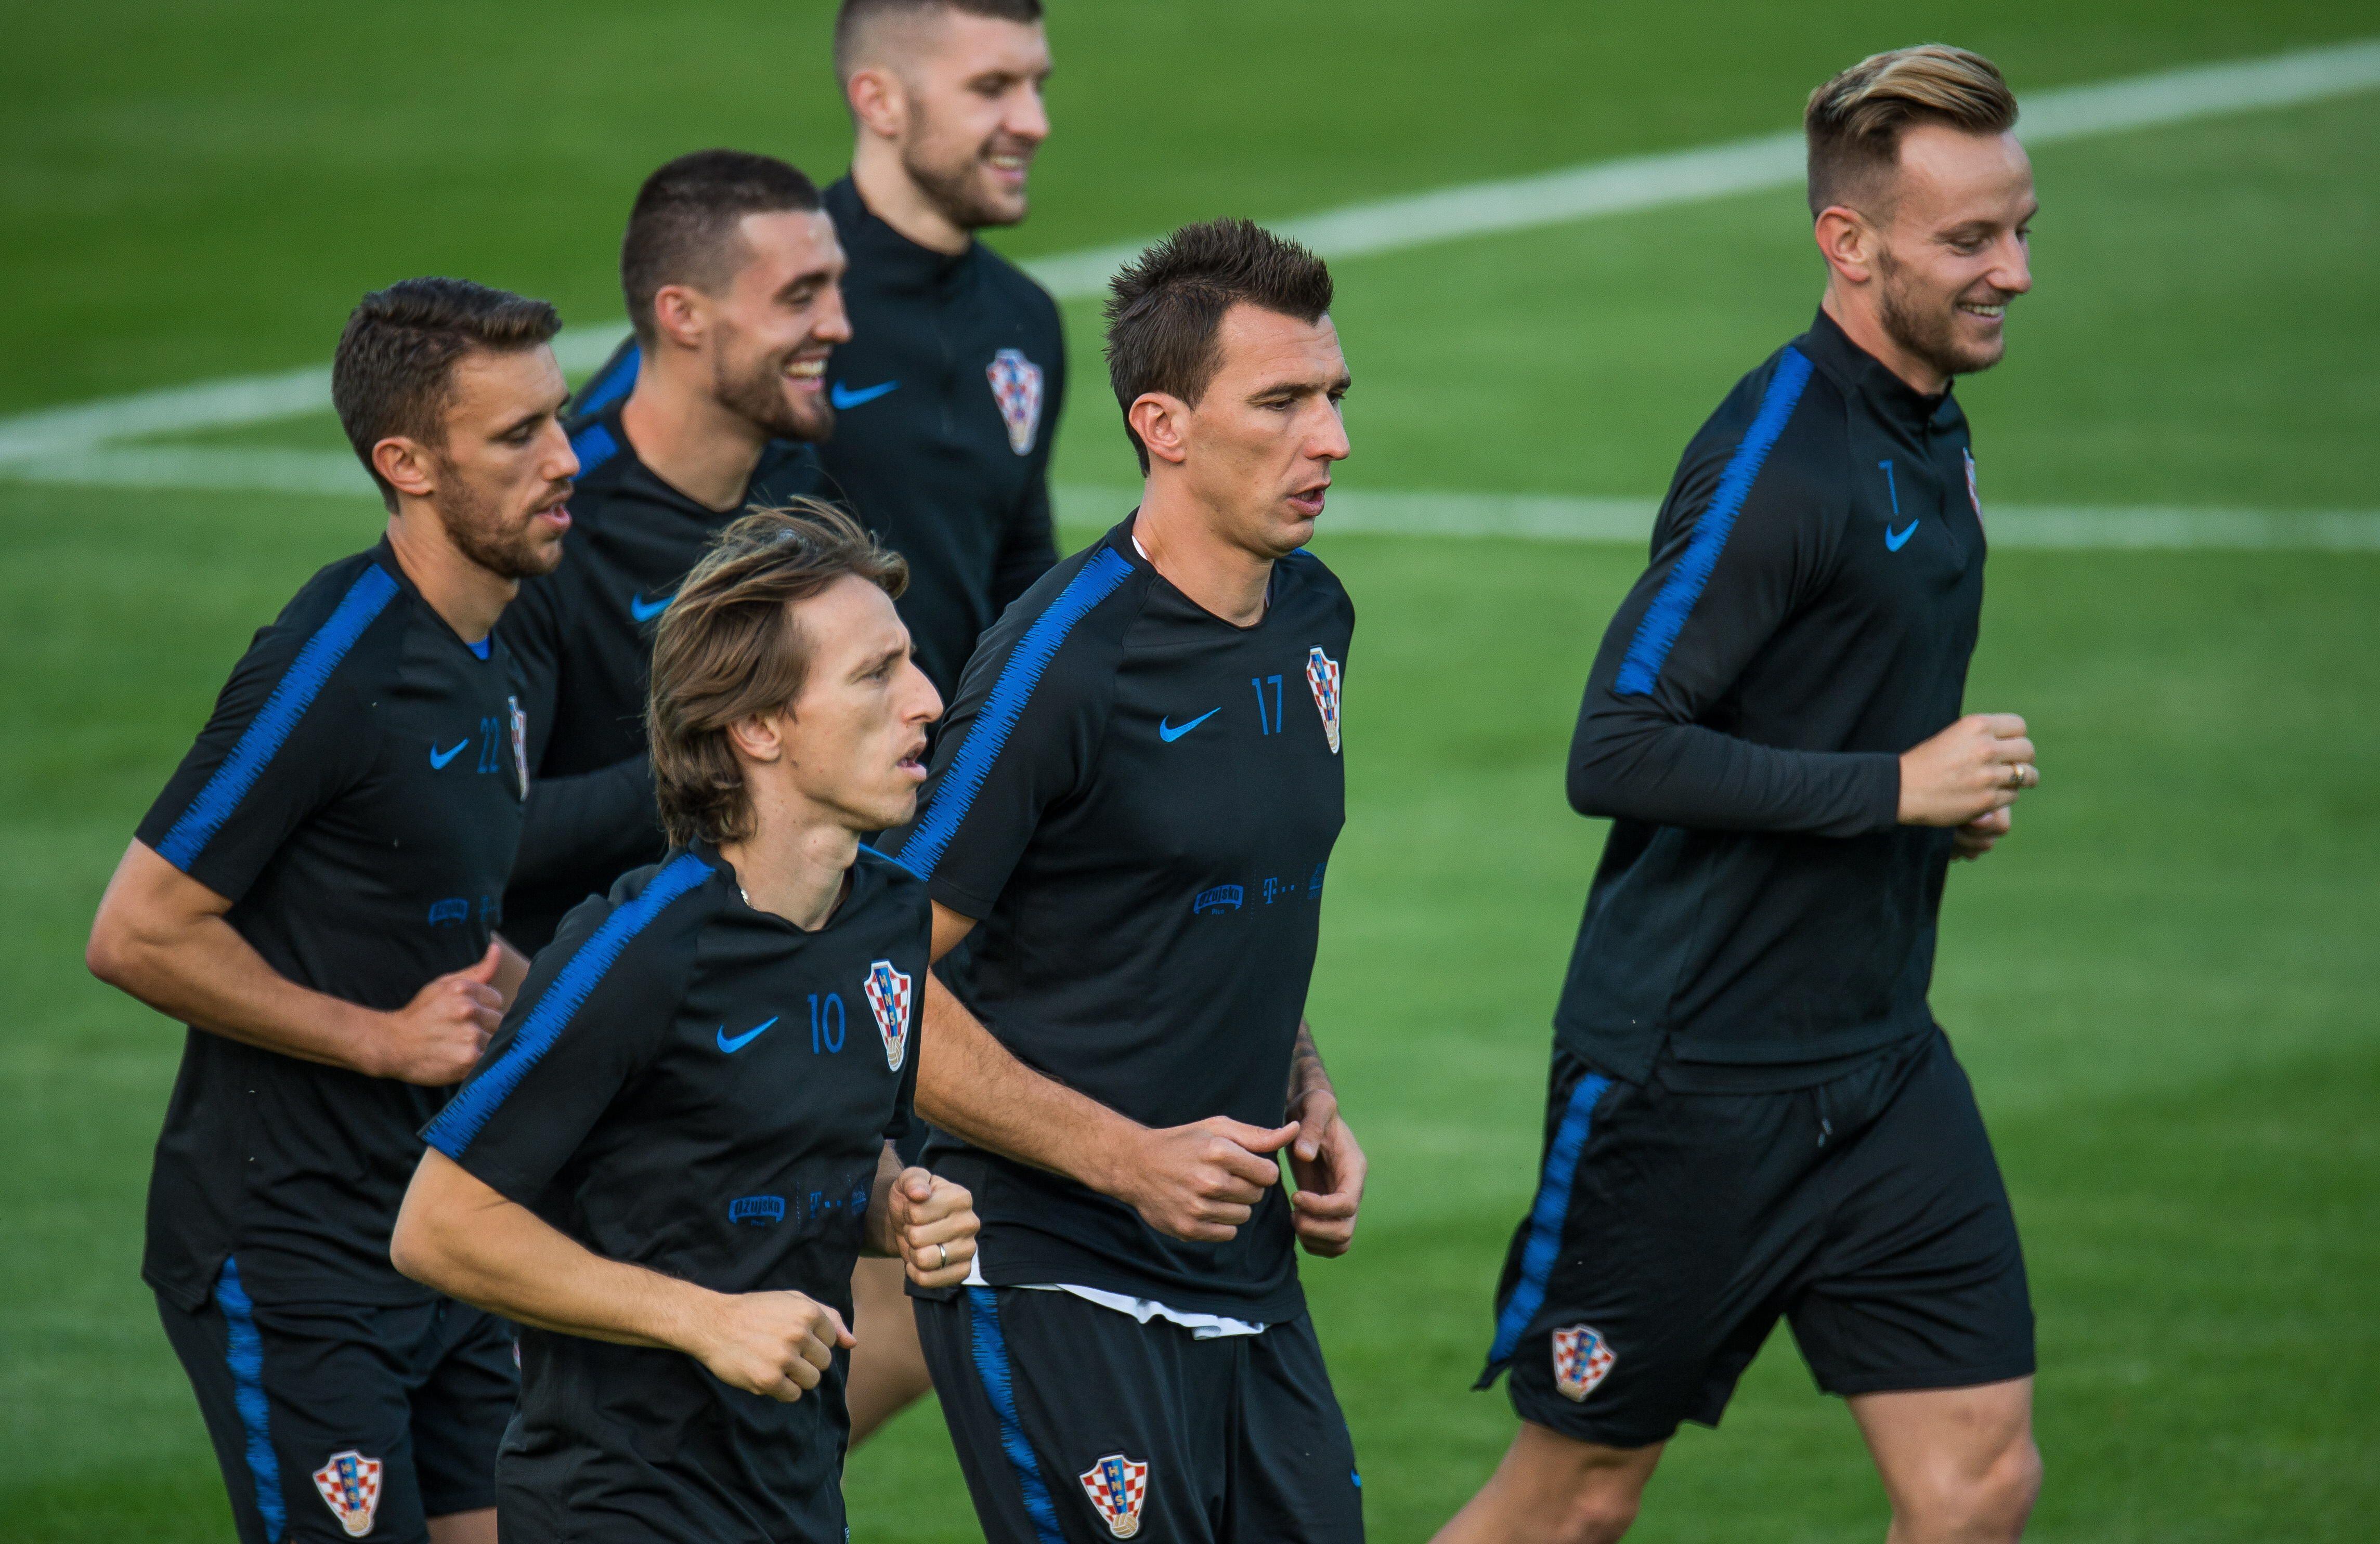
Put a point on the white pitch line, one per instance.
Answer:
(51, 437)
(1352, 512)
(1542, 517)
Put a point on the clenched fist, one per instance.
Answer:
(933, 1227)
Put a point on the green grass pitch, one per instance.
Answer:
(2162, 984)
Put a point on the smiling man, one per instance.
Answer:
(675, 1147)
(733, 277)
(950, 386)
(1133, 810)
(1753, 1113)
(316, 895)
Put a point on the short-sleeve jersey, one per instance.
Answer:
(355, 796)
(1139, 801)
(583, 634)
(702, 1089)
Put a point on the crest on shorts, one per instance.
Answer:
(1016, 386)
(1582, 1357)
(1117, 1486)
(887, 998)
(1972, 497)
(1322, 674)
(350, 1487)
(521, 745)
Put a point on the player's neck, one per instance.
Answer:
(468, 597)
(1856, 313)
(791, 866)
(890, 195)
(1182, 540)
(686, 438)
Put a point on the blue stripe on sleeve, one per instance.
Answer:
(990, 1348)
(460, 1121)
(1665, 618)
(593, 446)
(1093, 583)
(614, 384)
(1546, 1216)
(244, 1352)
(266, 734)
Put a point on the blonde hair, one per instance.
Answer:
(1854, 122)
(728, 648)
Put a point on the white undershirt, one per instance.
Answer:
(1202, 1326)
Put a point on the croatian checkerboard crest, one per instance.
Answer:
(350, 1487)
(1582, 1357)
(1117, 1486)
(887, 998)
(1016, 386)
(1322, 674)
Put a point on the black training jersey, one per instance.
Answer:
(355, 796)
(1817, 575)
(944, 400)
(1138, 800)
(690, 1085)
(583, 634)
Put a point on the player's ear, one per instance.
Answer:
(878, 101)
(1157, 418)
(758, 737)
(406, 465)
(681, 315)
(1847, 242)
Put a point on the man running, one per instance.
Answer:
(677, 1148)
(732, 278)
(316, 895)
(947, 391)
(1134, 807)
(1752, 1112)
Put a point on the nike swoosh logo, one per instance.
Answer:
(733, 1043)
(1169, 733)
(646, 610)
(1895, 541)
(844, 396)
(438, 758)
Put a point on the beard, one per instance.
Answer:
(1925, 327)
(478, 528)
(950, 183)
(756, 392)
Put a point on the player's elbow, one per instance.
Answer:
(114, 953)
(417, 1246)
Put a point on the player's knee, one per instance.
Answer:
(1986, 1507)
(1596, 1513)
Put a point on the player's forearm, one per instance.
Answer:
(971, 1085)
(462, 1237)
(1306, 1070)
(1629, 762)
(202, 972)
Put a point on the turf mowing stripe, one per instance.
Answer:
(1602, 188)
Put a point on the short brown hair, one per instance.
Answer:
(394, 372)
(1166, 308)
(728, 648)
(852, 18)
(1854, 123)
(682, 227)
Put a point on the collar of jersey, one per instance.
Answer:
(1854, 368)
(882, 257)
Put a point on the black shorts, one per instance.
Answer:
(337, 1423)
(1078, 1422)
(1673, 1229)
